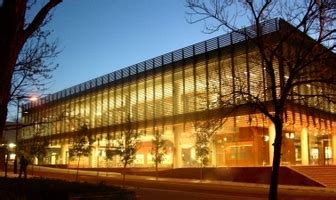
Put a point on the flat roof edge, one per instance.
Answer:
(199, 48)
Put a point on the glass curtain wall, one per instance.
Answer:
(166, 95)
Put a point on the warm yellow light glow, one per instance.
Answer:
(168, 159)
(33, 98)
(169, 101)
(266, 138)
(12, 156)
(139, 159)
(11, 145)
(290, 135)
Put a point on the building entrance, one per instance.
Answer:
(320, 151)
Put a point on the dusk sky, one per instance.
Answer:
(98, 37)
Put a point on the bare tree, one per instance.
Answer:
(300, 53)
(34, 65)
(159, 150)
(15, 29)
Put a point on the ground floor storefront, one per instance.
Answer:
(244, 140)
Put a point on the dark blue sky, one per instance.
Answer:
(98, 37)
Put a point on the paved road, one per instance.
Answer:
(148, 188)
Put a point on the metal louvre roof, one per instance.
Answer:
(174, 56)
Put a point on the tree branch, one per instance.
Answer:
(39, 18)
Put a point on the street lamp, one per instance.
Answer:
(19, 98)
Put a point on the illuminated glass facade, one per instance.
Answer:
(167, 94)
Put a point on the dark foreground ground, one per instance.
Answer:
(150, 188)
(41, 188)
(181, 188)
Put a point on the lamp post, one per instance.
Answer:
(19, 98)
(16, 135)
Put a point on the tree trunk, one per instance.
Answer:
(124, 174)
(156, 170)
(11, 41)
(13, 35)
(32, 172)
(2, 158)
(201, 172)
(6, 71)
(97, 169)
(273, 190)
(6, 164)
(77, 168)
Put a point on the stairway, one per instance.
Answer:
(325, 175)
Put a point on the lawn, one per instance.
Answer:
(50, 189)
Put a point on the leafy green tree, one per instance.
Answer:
(110, 150)
(128, 145)
(82, 145)
(205, 126)
(202, 146)
(204, 131)
(159, 150)
(38, 149)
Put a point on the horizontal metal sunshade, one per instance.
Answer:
(174, 56)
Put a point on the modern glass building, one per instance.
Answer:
(168, 94)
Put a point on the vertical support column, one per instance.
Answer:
(176, 98)
(177, 147)
(304, 147)
(333, 141)
(64, 149)
(93, 157)
(35, 161)
(98, 153)
(271, 134)
(213, 153)
(98, 157)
